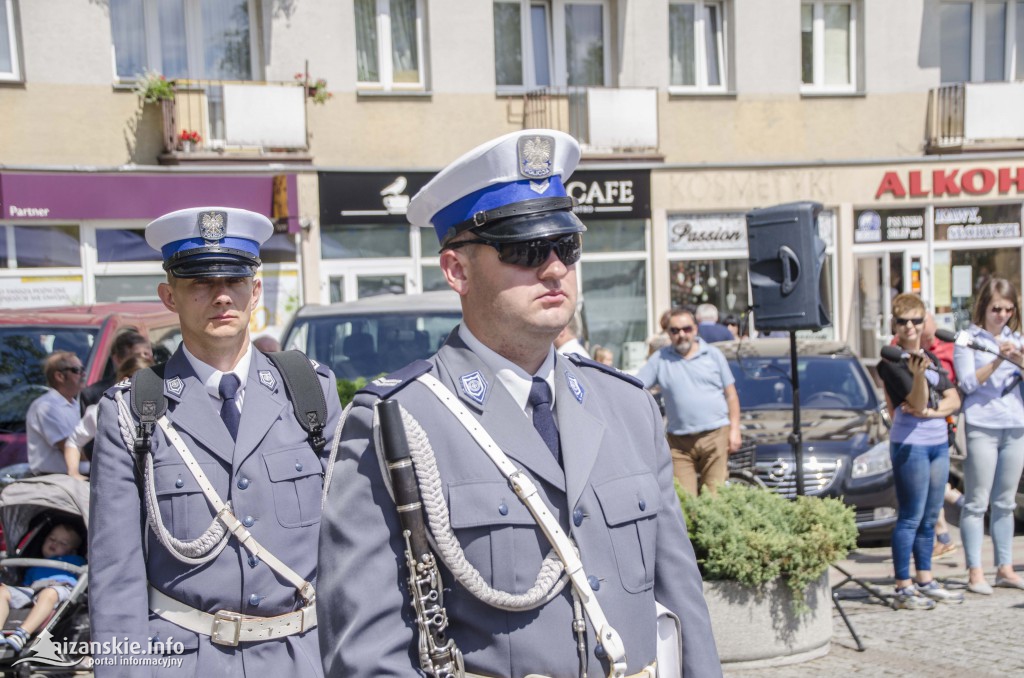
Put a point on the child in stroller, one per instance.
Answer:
(46, 586)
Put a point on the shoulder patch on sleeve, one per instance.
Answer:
(388, 385)
(320, 368)
(122, 385)
(580, 361)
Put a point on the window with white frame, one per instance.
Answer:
(389, 44)
(828, 46)
(981, 41)
(696, 45)
(539, 43)
(197, 39)
(9, 67)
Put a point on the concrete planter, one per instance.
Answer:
(757, 627)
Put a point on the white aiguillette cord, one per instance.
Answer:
(233, 524)
(527, 493)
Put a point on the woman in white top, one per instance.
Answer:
(994, 411)
(86, 428)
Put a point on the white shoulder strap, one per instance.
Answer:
(528, 494)
(232, 523)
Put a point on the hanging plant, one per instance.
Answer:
(152, 87)
(315, 89)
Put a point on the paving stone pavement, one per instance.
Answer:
(981, 638)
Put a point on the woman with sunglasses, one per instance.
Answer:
(994, 412)
(920, 397)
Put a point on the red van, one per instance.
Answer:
(28, 335)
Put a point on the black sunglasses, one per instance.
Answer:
(676, 330)
(76, 370)
(532, 253)
(904, 321)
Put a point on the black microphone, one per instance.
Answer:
(895, 354)
(963, 339)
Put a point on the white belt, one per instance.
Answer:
(649, 671)
(231, 628)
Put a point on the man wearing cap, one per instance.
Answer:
(205, 550)
(586, 436)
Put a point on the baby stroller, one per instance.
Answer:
(28, 510)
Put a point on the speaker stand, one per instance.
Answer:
(796, 444)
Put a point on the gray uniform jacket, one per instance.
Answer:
(273, 480)
(615, 497)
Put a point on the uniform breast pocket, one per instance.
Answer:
(183, 506)
(297, 481)
(497, 533)
(630, 505)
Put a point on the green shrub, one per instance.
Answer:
(347, 389)
(753, 536)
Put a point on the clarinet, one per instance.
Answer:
(439, 657)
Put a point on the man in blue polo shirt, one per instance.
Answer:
(701, 404)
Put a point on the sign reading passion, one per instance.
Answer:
(707, 232)
(383, 197)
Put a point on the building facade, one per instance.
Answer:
(899, 117)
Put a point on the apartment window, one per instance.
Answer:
(212, 39)
(9, 67)
(389, 44)
(696, 45)
(551, 42)
(828, 38)
(981, 41)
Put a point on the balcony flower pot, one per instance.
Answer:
(765, 564)
(187, 146)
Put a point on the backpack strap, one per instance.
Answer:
(303, 387)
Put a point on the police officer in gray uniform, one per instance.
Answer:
(216, 553)
(587, 436)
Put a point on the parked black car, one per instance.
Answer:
(845, 438)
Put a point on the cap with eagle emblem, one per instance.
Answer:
(210, 242)
(508, 189)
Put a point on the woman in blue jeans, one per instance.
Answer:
(995, 431)
(920, 396)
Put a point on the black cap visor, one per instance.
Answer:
(213, 265)
(531, 227)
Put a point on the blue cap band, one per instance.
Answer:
(493, 197)
(178, 246)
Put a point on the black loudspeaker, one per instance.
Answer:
(789, 275)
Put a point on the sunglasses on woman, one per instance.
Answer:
(532, 253)
(1001, 309)
(903, 321)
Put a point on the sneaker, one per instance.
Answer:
(942, 550)
(939, 593)
(16, 641)
(909, 599)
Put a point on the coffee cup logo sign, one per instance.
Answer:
(707, 232)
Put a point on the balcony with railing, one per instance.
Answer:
(236, 122)
(611, 123)
(975, 116)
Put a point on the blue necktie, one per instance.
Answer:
(543, 420)
(228, 388)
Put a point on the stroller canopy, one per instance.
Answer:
(23, 500)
